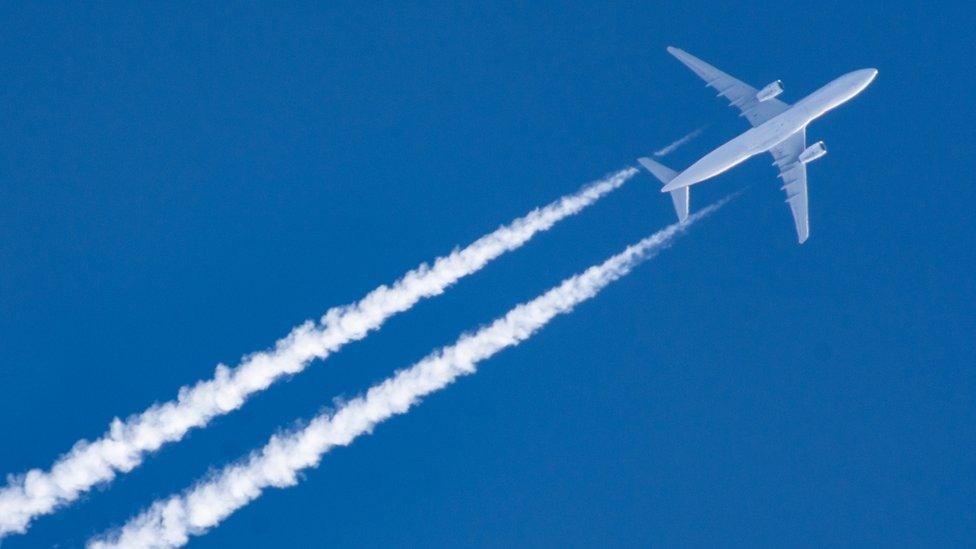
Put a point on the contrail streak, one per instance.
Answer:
(127, 442)
(170, 522)
(674, 146)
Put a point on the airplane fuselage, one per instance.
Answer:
(775, 130)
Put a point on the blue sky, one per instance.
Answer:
(181, 186)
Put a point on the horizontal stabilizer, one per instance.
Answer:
(680, 197)
(660, 171)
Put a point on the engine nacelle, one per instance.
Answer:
(813, 152)
(770, 91)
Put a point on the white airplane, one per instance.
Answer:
(777, 127)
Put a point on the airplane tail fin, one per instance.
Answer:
(680, 197)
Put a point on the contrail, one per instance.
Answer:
(124, 446)
(170, 522)
(674, 146)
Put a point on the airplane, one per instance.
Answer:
(777, 127)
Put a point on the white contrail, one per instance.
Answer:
(170, 522)
(673, 146)
(127, 442)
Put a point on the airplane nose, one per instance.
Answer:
(861, 78)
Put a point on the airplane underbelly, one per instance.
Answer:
(723, 158)
(750, 144)
(757, 140)
(777, 136)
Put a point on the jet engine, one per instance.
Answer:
(770, 91)
(813, 152)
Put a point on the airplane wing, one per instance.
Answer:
(740, 94)
(794, 176)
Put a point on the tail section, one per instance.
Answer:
(680, 197)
